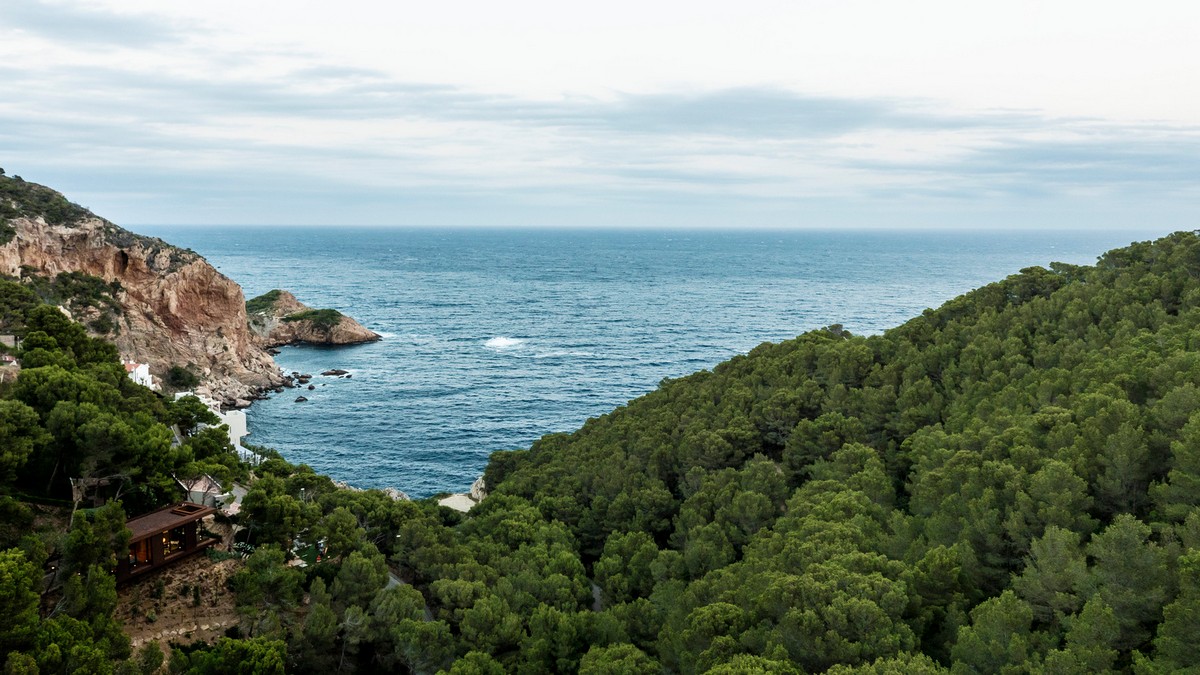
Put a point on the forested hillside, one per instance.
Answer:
(1006, 484)
(72, 414)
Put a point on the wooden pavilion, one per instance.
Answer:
(162, 537)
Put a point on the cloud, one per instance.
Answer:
(754, 112)
(78, 24)
(1115, 159)
(273, 136)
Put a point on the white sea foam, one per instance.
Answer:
(502, 342)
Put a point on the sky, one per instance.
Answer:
(792, 114)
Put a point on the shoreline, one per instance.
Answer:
(459, 501)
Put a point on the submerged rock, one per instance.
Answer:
(300, 399)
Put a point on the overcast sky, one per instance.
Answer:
(670, 114)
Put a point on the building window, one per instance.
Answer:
(174, 541)
(139, 553)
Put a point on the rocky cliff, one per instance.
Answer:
(278, 318)
(175, 308)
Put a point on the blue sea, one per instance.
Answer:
(493, 338)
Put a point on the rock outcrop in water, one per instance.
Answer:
(278, 318)
(175, 308)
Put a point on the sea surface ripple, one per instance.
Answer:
(493, 338)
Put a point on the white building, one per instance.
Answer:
(234, 419)
(140, 373)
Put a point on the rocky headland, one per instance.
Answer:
(277, 318)
(166, 306)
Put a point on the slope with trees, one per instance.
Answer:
(1004, 484)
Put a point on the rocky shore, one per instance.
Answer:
(174, 308)
(165, 306)
(169, 307)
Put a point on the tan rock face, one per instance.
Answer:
(177, 309)
(271, 328)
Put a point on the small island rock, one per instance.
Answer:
(277, 318)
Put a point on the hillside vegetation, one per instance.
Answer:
(264, 303)
(72, 414)
(21, 198)
(321, 318)
(1009, 483)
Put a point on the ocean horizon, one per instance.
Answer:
(495, 337)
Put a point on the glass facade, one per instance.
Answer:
(162, 537)
(139, 553)
(174, 540)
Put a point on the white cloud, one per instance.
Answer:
(559, 113)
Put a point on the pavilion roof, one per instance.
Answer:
(166, 518)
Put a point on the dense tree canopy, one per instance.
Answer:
(1008, 483)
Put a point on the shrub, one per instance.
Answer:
(19, 198)
(102, 325)
(321, 318)
(263, 303)
(180, 377)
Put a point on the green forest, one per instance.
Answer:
(1007, 484)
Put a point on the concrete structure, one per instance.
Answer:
(140, 373)
(203, 490)
(234, 419)
(9, 368)
(458, 502)
(163, 537)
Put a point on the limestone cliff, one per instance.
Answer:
(176, 309)
(278, 318)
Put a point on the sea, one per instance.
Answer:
(493, 338)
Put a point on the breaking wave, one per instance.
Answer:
(502, 342)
